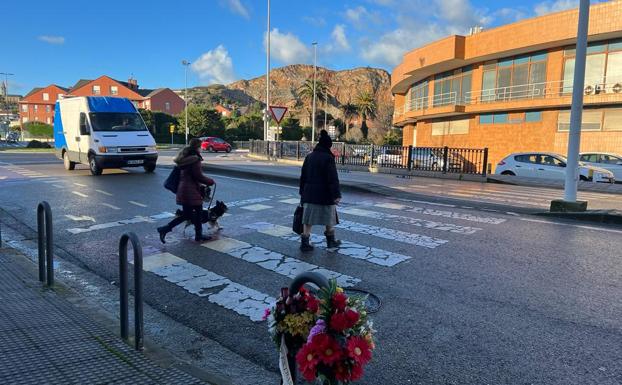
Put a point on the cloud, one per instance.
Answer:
(287, 48)
(382, 2)
(52, 39)
(460, 14)
(339, 40)
(555, 6)
(237, 7)
(359, 16)
(215, 66)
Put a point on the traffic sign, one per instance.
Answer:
(278, 113)
(172, 128)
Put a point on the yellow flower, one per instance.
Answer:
(298, 324)
(339, 290)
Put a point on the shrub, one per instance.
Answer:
(37, 144)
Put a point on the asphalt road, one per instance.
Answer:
(468, 296)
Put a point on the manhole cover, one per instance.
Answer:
(372, 303)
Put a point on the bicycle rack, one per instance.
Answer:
(45, 243)
(138, 288)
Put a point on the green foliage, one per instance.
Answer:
(306, 133)
(291, 129)
(340, 126)
(37, 144)
(366, 106)
(158, 122)
(244, 128)
(39, 129)
(202, 121)
(393, 137)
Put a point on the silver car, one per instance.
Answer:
(608, 161)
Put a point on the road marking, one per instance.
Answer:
(137, 204)
(111, 206)
(291, 201)
(104, 192)
(256, 181)
(136, 219)
(256, 207)
(441, 213)
(394, 235)
(274, 261)
(51, 181)
(3, 177)
(82, 218)
(204, 283)
(425, 202)
(247, 202)
(80, 194)
(57, 186)
(350, 249)
(571, 225)
(410, 221)
(79, 184)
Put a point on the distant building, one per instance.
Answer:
(38, 104)
(224, 111)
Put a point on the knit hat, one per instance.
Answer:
(325, 140)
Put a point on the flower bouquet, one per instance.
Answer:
(340, 343)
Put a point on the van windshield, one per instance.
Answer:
(116, 121)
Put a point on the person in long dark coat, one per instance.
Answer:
(189, 194)
(319, 192)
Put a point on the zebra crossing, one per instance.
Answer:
(266, 242)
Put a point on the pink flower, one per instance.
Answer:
(266, 314)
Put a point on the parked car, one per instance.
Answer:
(427, 159)
(214, 144)
(611, 162)
(390, 157)
(548, 166)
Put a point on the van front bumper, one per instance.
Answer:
(117, 161)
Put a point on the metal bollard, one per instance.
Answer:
(138, 288)
(46, 247)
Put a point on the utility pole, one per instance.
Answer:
(314, 76)
(186, 63)
(266, 114)
(6, 88)
(325, 107)
(576, 110)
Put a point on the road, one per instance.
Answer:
(468, 296)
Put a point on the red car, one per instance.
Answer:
(212, 143)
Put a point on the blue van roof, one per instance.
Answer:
(109, 104)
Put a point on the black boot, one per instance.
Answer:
(331, 242)
(304, 244)
(199, 237)
(163, 231)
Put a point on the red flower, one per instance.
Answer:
(352, 317)
(342, 373)
(356, 372)
(307, 359)
(340, 301)
(313, 304)
(358, 350)
(327, 348)
(339, 322)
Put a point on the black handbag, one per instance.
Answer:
(297, 225)
(172, 182)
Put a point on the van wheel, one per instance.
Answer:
(69, 165)
(583, 178)
(149, 168)
(95, 169)
(508, 173)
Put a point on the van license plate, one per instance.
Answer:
(138, 161)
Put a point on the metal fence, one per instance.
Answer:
(434, 159)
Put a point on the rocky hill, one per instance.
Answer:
(286, 81)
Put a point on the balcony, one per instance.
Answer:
(529, 96)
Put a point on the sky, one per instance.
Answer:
(60, 42)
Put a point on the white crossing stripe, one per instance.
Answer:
(2, 177)
(350, 249)
(410, 221)
(82, 218)
(51, 181)
(79, 184)
(104, 192)
(274, 261)
(247, 202)
(204, 283)
(57, 186)
(256, 207)
(136, 219)
(137, 204)
(394, 235)
(80, 194)
(291, 201)
(110, 206)
(441, 213)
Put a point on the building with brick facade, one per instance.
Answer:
(38, 105)
(509, 88)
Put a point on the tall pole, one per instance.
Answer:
(186, 63)
(6, 88)
(576, 110)
(266, 114)
(314, 76)
(325, 108)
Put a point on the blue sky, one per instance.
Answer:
(46, 42)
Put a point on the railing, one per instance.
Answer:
(241, 144)
(433, 159)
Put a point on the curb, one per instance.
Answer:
(494, 180)
(598, 216)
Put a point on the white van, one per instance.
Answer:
(102, 132)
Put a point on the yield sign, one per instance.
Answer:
(278, 113)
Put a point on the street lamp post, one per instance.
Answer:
(266, 115)
(6, 87)
(186, 63)
(314, 76)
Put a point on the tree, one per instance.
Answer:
(349, 111)
(366, 106)
(202, 121)
(291, 129)
(39, 129)
(393, 137)
(305, 94)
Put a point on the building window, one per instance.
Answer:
(603, 67)
(48, 120)
(417, 97)
(514, 78)
(497, 119)
(36, 107)
(114, 90)
(48, 108)
(500, 118)
(46, 96)
(24, 107)
(591, 120)
(450, 127)
(148, 104)
(485, 119)
(167, 106)
(613, 120)
(533, 116)
(96, 90)
(452, 87)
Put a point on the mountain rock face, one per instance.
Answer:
(344, 86)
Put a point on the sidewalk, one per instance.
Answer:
(44, 339)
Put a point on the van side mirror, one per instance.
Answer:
(84, 128)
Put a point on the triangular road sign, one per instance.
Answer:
(278, 113)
